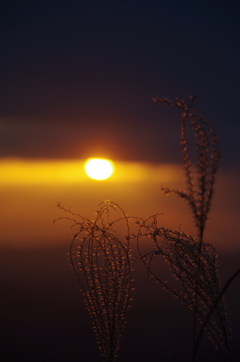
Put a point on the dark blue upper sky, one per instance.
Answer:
(77, 78)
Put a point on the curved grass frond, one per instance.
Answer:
(102, 264)
(181, 252)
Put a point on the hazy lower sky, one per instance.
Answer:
(77, 78)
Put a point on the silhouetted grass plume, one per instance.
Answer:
(181, 252)
(102, 260)
(102, 264)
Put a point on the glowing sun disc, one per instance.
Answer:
(98, 168)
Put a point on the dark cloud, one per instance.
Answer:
(78, 77)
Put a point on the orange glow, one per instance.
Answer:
(30, 191)
(20, 171)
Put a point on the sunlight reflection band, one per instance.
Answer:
(20, 171)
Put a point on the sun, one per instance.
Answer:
(99, 168)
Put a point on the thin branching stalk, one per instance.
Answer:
(200, 173)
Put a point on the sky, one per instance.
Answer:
(78, 77)
(77, 80)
